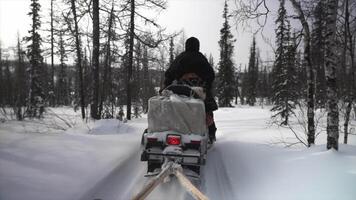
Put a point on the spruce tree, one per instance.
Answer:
(252, 76)
(284, 79)
(225, 84)
(62, 83)
(318, 51)
(263, 84)
(20, 82)
(244, 85)
(35, 101)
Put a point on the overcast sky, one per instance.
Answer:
(198, 18)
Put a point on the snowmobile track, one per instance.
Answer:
(112, 186)
(216, 177)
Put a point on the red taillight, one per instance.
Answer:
(173, 139)
(195, 142)
(151, 139)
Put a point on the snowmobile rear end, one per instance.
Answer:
(176, 131)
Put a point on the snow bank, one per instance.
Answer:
(61, 166)
(256, 171)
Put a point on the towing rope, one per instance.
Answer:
(170, 169)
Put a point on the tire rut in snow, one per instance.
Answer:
(117, 183)
(217, 184)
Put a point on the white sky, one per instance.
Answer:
(198, 18)
(203, 19)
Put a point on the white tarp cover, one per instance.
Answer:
(176, 113)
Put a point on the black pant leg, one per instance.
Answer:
(212, 130)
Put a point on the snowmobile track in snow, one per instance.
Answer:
(216, 177)
(113, 187)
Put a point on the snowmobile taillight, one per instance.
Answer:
(173, 139)
(195, 142)
(151, 139)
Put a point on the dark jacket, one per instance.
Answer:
(192, 61)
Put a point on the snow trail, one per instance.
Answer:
(217, 183)
(119, 181)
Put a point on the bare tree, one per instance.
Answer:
(310, 71)
(76, 35)
(130, 61)
(330, 71)
(52, 57)
(107, 77)
(94, 111)
(145, 37)
(349, 40)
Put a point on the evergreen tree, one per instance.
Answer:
(252, 76)
(35, 102)
(225, 84)
(244, 85)
(62, 82)
(264, 85)
(284, 80)
(20, 82)
(318, 51)
(237, 85)
(292, 76)
(9, 87)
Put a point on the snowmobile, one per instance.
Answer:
(177, 130)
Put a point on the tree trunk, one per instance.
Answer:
(146, 80)
(351, 91)
(2, 95)
(310, 73)
(20, 82)
(52, 58)
(79, 59)
(347, 120)
(106, 90)
(330, 70)
(130, 62)
(96, 45)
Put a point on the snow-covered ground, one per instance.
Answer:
(249, 161)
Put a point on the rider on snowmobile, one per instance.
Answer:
(191, 67)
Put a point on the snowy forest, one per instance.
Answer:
(75, 91)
